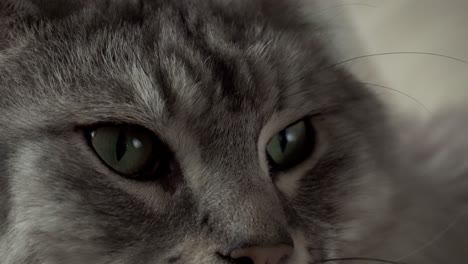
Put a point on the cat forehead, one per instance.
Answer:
(168, 49)
(171, 63)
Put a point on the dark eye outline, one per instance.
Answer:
(153, 170)
(312, 141)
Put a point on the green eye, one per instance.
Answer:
(291, 145)
(128, 150)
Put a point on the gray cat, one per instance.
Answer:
(216, 131)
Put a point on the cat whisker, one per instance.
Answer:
(424, 107)
(437, 237)
(396, 53)
(325, 9)
(378, 55)
(369, 260)
(357, 4)
(397, 91)
(322, 249)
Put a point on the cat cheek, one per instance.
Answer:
(289, 182)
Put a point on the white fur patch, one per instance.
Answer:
(289, 184)
(14, 246)
(147, 93)
(301, 254)
(33, 210)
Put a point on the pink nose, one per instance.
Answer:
(262, 255)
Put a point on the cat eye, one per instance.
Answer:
(291, 146)
(128, 150)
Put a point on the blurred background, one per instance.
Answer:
(413, 29)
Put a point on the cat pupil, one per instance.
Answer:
(122, 145)
(283, 140)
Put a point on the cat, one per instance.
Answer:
(217, 131)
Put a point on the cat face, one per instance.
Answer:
(178, 132)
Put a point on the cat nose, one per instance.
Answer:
(262, 255)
